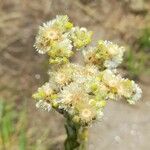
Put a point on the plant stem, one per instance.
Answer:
(76, 136)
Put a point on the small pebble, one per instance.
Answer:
(37, 76)
(117, 139)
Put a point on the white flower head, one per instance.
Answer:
(136, 93)
(81, 37)
(114, 53)
(53, 33)
(43, 105)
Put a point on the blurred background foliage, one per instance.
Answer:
(22, 70)
(137, 56)
(12, 127)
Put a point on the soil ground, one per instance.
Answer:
(22, 70)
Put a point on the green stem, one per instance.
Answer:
(76, 136)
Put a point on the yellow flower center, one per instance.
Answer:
(86, 114)
(53, 34)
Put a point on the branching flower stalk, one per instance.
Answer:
(80, 91)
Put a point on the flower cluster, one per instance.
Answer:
(57, 38)
(106, 54)
(80, 91)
